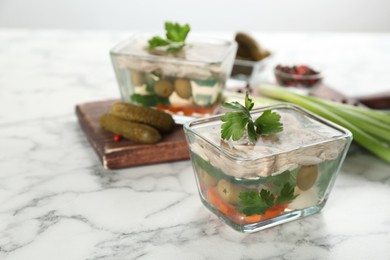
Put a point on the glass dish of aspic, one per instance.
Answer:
(183, 79)
(257, 168)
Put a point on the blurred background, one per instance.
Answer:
(203, 15)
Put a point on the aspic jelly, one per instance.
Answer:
(279, 178)
(189, 82)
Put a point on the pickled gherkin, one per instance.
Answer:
(156, 118)
(248, 47)
(136, 132)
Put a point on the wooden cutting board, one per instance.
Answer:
(123, 154)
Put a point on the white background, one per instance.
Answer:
(202, 15)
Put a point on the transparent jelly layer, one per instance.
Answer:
(188, 83)
(179, 95)
(277, 179)
(300, 130)
(247, 202)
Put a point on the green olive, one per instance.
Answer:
(207, 178)
(307, 176)
(228, 191)
(137, 78)
(163, 88)
(183, 88)
(150, 79)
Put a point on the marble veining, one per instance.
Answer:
(57, 201)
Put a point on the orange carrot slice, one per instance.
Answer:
(253, 219)
(275, 211)
(228, 210)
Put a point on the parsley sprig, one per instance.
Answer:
(175, 37)
(240, 119)
(255, 202)
(259, 202)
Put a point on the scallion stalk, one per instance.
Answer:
(369, 128)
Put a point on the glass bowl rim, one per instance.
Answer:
(345, 133)
(116, 50)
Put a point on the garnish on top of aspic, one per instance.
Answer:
(238, 121)
(176, 35)
(235, 123)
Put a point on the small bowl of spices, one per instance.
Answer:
(299, 76)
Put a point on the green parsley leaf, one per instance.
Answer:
(175, 37)
(233, 126)
(235, 106)
(278, 181)
(235, 123)
(268, 123)
(267, 197)
(175, 47)
(251, 132)
(248, 102)
(175, 32)
(149, 100)
(286, 194)
(157, 41)
(254, 202)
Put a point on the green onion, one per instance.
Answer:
(370, 128)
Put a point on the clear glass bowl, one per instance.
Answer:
(281, 178)
(289, 79)
(187, 83)
(248, 70)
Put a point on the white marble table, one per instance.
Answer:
(57, 202)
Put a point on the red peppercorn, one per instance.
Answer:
(117, 138)
(302, 69)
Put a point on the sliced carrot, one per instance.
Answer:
(213, 197)
(275, 211)
(217, 201)
(187, 111)
(224, 208)
(235, 216)
(253, 219)
(228, 210)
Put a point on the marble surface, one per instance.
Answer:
(57, 202)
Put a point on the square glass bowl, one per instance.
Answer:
(248, 70)
(187, 83)
(281, 178)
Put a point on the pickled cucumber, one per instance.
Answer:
(146, 115)
(183, 88)
(248, 47)
(136, 132)
(163, 88)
